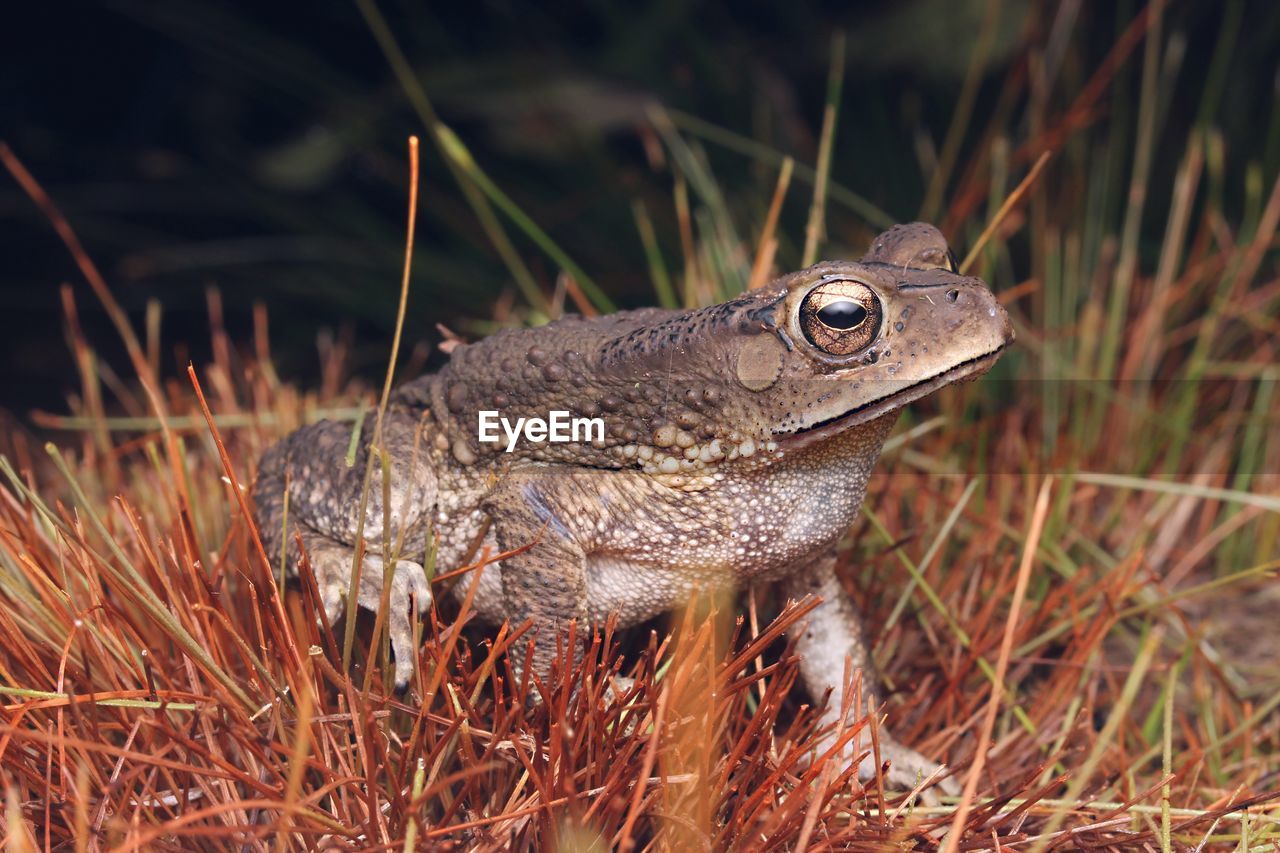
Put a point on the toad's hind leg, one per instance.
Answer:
(324, 497)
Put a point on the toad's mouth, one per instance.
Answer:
(970, 369)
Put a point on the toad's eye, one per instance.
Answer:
(840, 317)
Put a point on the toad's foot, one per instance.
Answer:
(904, 767)
(907, 769)
(409, 591)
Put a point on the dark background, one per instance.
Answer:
(260, 148)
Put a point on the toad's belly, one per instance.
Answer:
(639, 592)
(632, 591)
(648, 549)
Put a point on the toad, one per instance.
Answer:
(736, 447)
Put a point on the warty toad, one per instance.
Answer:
(738, 441)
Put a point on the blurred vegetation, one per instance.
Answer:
(261, 150)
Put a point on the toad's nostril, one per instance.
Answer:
(953, 295)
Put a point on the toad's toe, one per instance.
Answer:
(409, 590)
(908, 768)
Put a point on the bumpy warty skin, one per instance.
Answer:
(738, 442)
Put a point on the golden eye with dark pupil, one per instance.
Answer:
(842, 315)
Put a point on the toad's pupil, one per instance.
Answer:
(842, 314)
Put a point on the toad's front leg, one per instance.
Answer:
(830, 635)
(544, 519)
(303, 481)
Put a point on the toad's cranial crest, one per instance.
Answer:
(737, 442)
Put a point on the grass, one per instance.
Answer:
(1070, 566)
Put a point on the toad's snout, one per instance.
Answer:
(970, 309)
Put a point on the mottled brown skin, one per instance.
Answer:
(738, 443)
